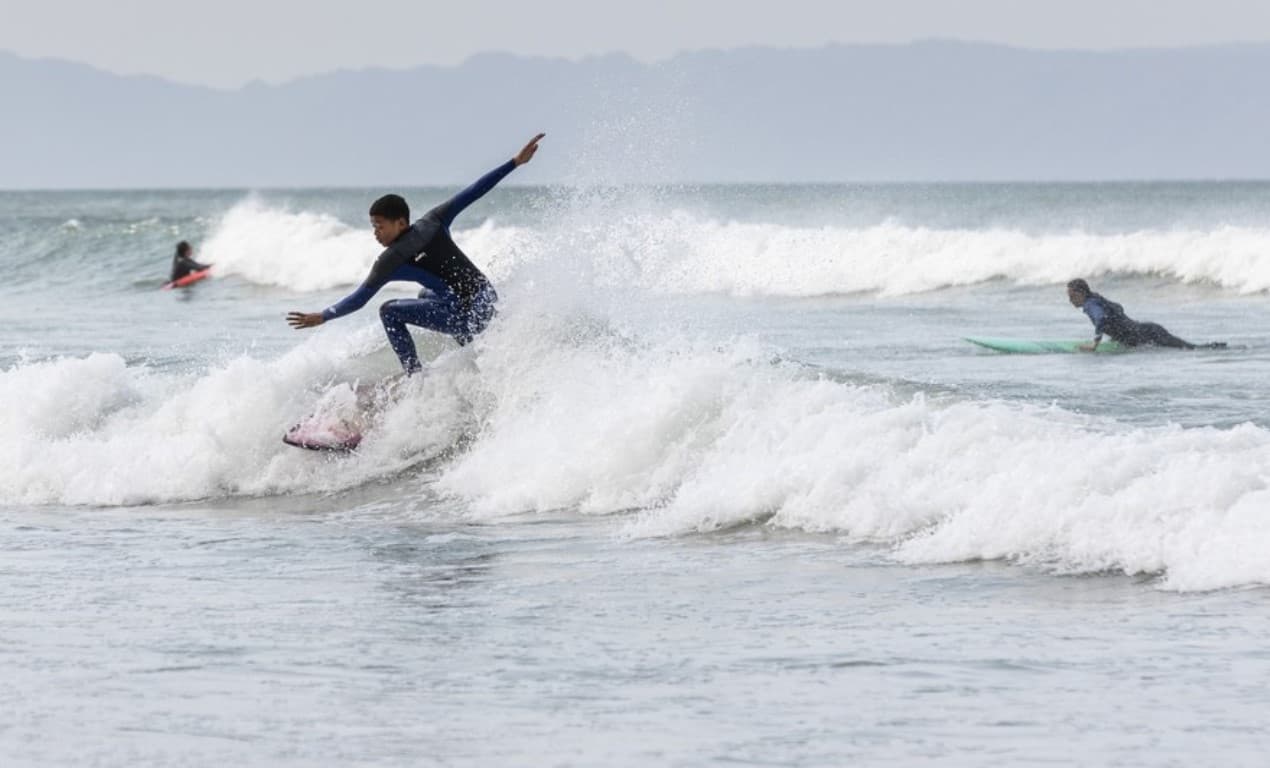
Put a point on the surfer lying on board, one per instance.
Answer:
(183, 262)
(456, 299)
(1109, 318)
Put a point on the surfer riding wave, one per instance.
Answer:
(456, 298)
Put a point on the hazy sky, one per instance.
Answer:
(228, 42)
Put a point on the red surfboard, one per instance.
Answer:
(189, 279)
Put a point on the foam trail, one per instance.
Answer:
(550, 412)
(702, 437)
(96, 431)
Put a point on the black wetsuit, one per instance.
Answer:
(184, 265)
(1109, 318)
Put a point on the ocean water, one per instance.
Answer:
(722, 484)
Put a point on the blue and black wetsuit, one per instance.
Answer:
(1109, 318)
(456, 298)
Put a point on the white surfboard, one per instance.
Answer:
(342, 417)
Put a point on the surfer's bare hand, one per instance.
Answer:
(299, 320)
(527, 154)
(1086, 347)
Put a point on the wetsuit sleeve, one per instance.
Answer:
(380, 273)
(1097, 314)
(184, 265)
(447, 211)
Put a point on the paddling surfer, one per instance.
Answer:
(183, 262)
(1110, 320)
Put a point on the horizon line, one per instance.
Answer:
(248, 189)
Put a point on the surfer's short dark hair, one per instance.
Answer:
(183, 248)
(1078, 285)
(391, 207)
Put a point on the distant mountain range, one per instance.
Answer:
(925, 111)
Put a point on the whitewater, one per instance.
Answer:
(722, 482)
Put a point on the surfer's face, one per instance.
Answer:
(1076, 297)
(387, 230)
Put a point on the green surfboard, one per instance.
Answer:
(1041, 347)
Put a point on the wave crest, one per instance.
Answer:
(679, 252)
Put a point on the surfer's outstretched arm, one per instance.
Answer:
(298, 320)
(345, 306)
(451, 208)
(378, 278)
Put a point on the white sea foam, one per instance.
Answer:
(553, 410)
(697, 435)
(307, 251)
(95, 431)
(890, 259)
(679, 252)
(300, 250)
(702, 437)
